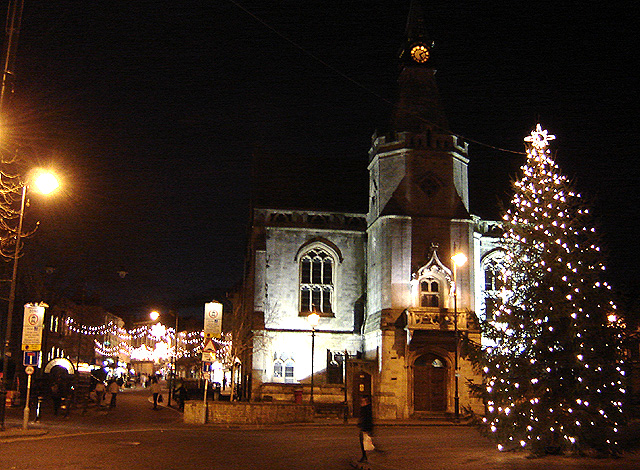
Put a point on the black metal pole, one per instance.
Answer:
(173, 371)
(456, 397)
(346, 398)
(313, 340)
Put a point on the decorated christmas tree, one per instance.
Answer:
(554, 380)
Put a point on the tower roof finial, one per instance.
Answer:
(416, 29)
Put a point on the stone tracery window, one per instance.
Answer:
(317, 281)
(288, 371)
(429, 293)
(277, 369)
(493, 275)
(496, 283)
(431, 284)
(283, 368)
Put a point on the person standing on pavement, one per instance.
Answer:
(365, 423)
(113, 389)
(100, 391)
(155, 390)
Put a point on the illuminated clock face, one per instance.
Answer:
(420, 53)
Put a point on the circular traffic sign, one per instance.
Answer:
(29, 370)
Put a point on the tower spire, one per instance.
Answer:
(416, 29)
(418, 104)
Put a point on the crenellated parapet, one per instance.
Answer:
(309, 219)
(427, 140)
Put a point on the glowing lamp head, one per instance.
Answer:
(45, 182)
(459, 259)
(313, 319)
(154, 315)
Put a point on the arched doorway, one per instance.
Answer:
(429, 383)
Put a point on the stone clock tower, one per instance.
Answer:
(418, 218)
(391, 320)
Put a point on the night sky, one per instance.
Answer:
(154, 111)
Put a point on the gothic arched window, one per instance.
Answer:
(316, 281)
(283, 367)
(496, 282)
(493, 275)
(288, 371)
(429, 293)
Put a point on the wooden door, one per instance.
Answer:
(429, 384)
(361, 387)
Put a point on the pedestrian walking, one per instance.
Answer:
(181, 395)
(365, 423)
(113, 389)
(100, 390)
(155, 390)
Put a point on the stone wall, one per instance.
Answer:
(322, 393)
(247, 413)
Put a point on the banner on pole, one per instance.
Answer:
(212, 320)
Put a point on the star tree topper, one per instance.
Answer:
(539, 138)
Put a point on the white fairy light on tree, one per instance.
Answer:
(554, 380)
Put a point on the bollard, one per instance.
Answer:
(39, 408)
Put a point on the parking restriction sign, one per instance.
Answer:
(32, 327)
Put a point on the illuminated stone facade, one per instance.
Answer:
(382, 282)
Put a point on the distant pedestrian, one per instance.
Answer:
(181, 395)
(100, 392)
(155, 390)
(365, 423)
(113, 390)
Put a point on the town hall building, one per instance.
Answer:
(394, 309)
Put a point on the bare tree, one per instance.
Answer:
(10, 196)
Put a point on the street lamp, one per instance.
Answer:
(41, 182)
(459, 259)
(313, 320)
(154, 315)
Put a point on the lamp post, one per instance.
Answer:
(44, 183)
(154, 316)
(313, 319)
(459, 259)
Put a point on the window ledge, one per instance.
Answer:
(320, 314)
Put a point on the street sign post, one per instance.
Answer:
(208, 357)
(213, 320)
(29, 370)
(32, 327)
(30, 358)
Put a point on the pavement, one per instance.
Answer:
(92, 417)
